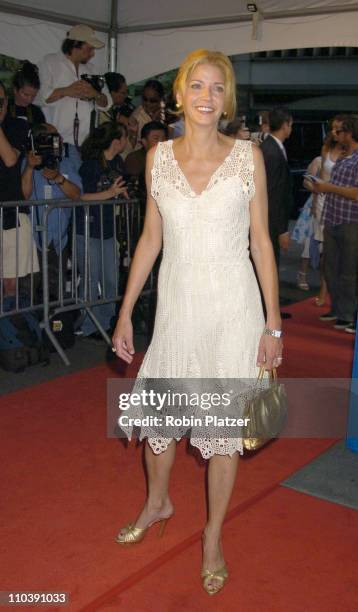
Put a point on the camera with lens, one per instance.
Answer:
(125, 109)
(49, 145)
(132, 187)
(107, 180)
(96, 80)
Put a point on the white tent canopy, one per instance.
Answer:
(154, 35)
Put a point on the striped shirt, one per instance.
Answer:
(338, 209)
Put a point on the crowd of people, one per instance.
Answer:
(327, 226)
(105, 140)
(103, 143)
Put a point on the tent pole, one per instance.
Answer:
(112, 38)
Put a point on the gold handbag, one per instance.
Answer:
(266, 411)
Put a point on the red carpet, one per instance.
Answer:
(66, 490)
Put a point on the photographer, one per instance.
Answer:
(26, 84)
(151, 108)
(51, 176)
(101, 174)
(68, 99)
(19, 256)
(117, 88)
(122, 109)
(237, 129)
(151, 133)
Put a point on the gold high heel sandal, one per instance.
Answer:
(220, 574)
(136, 534)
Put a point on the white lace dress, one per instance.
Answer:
(209, 316)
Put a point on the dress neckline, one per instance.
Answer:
(213, 175)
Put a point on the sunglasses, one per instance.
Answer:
(151, 100)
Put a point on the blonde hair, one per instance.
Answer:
(215, 58)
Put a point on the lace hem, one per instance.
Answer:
(207, 447)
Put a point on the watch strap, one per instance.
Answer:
(276, 333)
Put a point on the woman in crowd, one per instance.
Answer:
(151, 107)
(309, 225)
(19, 255)
(117, 87)
(303, 230)
(26, 84)
(237, 129)
(122, 109)
(101, 173)
(205, 192)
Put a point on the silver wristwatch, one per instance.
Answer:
(276, 333)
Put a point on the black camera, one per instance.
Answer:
(48, 145)
(125, 109)
(107, 180)
(96, 80)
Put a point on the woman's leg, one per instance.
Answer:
(158, 503)
(221, 479)
(304, 265)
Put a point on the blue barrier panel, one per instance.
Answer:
(352, 431)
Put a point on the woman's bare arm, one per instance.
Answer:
(264, 259)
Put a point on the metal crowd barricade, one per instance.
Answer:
(126, 227)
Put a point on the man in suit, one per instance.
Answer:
(279, 182)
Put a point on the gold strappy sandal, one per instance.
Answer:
(136, 534)
(221, 575)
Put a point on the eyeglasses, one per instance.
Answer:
(338, 131)
(151, 100)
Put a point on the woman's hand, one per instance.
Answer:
(270, 352)
(33, 160)
(314, 186)
(122, 340)
(132, 126)
(118, 188)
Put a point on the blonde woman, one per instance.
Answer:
(206, 194)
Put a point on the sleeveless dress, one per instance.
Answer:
(304, 227)
(209, 316)
(327, 168)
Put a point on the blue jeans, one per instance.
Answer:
(74, 156)
(103, 312)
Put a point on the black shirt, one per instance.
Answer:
(31, 113)
(15, 131)
(94, 177)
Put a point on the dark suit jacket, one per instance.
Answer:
(279, 187)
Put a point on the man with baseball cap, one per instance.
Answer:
(68, 100)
